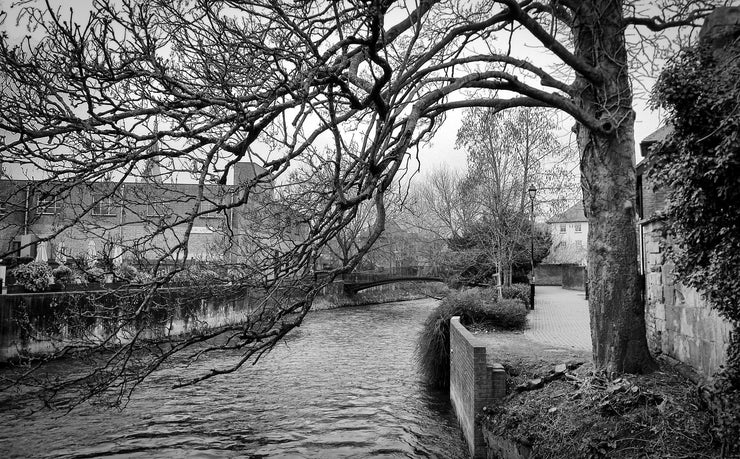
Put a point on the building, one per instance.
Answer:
(569, 232)
(650, 200)
(680, 322)
(137, 220)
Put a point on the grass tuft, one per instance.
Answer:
(475, 307)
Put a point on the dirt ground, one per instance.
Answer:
(586, 414)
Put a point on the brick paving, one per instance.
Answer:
(560, 319)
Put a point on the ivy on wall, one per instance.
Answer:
(699, 168)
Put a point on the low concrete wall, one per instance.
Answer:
(680, 323)
(40, 324)
(473, 384)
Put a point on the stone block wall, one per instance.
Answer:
(473, 384)
(680, 323)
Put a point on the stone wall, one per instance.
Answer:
(473, 384)
(680, 323)
(39, 324)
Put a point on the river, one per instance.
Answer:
(344, 384)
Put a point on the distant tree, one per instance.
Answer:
(508, 153)
(442, 202)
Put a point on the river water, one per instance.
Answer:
(344, 384)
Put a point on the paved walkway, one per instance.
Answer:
(560, 319)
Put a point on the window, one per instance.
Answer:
(157, 214)
(156, 210)
(3, 209)
(210, 208)
(578, 227)
(579, 243)
(562, 228)
(48, 205)
(103, 205)
(15, 248)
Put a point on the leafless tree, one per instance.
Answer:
(508, 153)
(205, 84)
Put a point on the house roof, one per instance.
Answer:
(573, 214)
(660, 134)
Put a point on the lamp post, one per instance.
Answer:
(532, 193)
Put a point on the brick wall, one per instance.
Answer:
(679, 321)
(473, 383)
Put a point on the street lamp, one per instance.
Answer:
(532, 193)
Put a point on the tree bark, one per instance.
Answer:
(608, 179)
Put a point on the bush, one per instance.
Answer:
(35, 276)
(517, 291)
(63, 274)
(95, 275)
(474, 306)
(198, 274)
(126, 272)
(508, 314)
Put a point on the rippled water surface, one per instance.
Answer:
(344, 385)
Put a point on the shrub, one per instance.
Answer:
(63, 274)
(196, 273)
(95, 275)
(34, 276)
(141, 277)
(126, 272)
(474, 306)
(517, 291)
(509, 314)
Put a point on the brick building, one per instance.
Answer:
(141, 219)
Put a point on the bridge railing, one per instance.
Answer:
(359, 277)
(370, 276)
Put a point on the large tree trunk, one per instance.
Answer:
(608, 179)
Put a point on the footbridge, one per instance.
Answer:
(356, 282)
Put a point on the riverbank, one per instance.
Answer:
(558, 406)
(573, 411)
